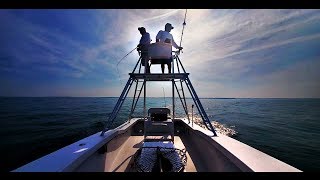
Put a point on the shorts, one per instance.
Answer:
(161, 61)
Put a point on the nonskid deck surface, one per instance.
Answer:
(123, 157)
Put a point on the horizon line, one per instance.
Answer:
(160, 97)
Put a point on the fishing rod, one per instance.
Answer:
(126, 55)
(123, 59)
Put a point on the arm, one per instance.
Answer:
(148, 38)
(158, 36)
(174, 44)
(139, 45)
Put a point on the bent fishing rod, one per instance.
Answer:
(123, 59)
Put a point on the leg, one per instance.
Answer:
(169, 67)
(143, 62)
(162, 68)
(149, 67)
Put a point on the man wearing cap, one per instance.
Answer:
(143, 48)
(166, 36)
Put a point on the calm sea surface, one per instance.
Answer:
(287, 129)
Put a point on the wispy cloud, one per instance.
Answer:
(227, 52)
(243, 31)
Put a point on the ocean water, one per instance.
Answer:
(287, 129)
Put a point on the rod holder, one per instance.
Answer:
(192, 115)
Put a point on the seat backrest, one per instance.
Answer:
(159, 114)
(160, 50)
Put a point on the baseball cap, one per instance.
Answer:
(169, 25)
(141, 29)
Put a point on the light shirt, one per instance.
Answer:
(145, 39)
(165, 35)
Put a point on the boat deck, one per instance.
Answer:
(116, 153)
(123, 157)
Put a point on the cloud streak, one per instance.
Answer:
(228, 52)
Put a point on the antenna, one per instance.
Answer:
(164, 97)
(184, 23)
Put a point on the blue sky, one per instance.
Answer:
(229, 53)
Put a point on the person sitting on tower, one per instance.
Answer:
(166, 36)
(143, 48)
